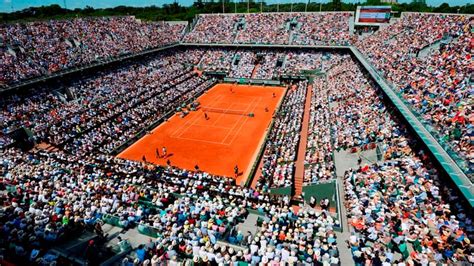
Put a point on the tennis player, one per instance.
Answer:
(236, 171)
(164, 151)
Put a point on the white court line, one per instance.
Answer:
(221, 114)
(230, 129)
(231, 110)
(189, 123)
(238, 121)
(200, 140)
(246, 118)
(221, 127)
(184, 127)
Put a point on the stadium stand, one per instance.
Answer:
(323, 29)
(265, 28)
(142, 197)
(396, 204)
(245, 66)
(268, 67)
(40, 48)
(319, 162)
(272, 28)
(296, 62)
(280, 151)
(59, 120)
(217, 60)
(398, 209)
(437, 85)
(358, 115)
(216, 28)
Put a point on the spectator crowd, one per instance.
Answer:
(396, 211)
(272, 28)
(399, 210)
(436, 83)
(52, 196)
(281, 148)
(323, 29)
(109, 108)
(29, 50)
(358, 114)
(319, 161)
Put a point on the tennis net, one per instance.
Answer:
(224, 111)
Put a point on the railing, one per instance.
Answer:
(288, 191)
(453, 165)
(263, 45)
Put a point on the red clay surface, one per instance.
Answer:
(218, 144)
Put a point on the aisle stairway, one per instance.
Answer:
(46, 147)
(299, 165)
(255, 70)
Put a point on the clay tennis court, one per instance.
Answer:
(220, 142)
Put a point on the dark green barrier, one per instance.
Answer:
(148, 231)
(112, 220)
(281, 191)
(320, 191)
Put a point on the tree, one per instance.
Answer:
(337, 5)
(174, 11)
(198, 4)
(444, 8)
(373, 2)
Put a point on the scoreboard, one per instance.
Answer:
(373, 15)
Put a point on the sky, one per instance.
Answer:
(15, 5)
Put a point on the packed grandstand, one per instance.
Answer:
(70, 200)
